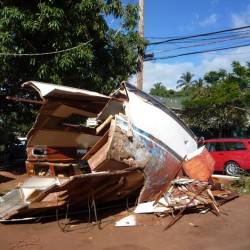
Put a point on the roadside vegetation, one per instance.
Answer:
(242, 185)
(218, 104)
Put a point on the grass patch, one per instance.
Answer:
(242, 185)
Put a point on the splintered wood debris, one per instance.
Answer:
(183, 194)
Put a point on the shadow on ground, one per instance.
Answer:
(4, 179)
(16, 168)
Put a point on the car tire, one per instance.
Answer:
(231, 168)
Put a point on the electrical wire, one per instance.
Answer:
(197, 52)
(45, 53)
(198, 45)
(199, 35)
(55, 52)
(227, 39)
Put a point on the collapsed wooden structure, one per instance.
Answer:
(86, 147)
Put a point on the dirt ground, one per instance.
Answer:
(230, 230)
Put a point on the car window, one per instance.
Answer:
(215, 146)
(219, 146)
(232, 146)
(210, 147)
(225, 146)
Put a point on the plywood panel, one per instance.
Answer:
(62, 139)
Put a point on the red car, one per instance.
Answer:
(230, 154)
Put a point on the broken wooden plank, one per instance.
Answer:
(104, 124)
(96, 147)
(178, 216)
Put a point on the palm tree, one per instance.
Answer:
(159, 90)
(200, 83)
(186, 81)
(158, 85)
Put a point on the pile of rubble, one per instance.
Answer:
(183, 194)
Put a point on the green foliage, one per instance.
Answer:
(92, 55)
(220, 102)
(241, 75)
(214, 77)
(247, 98)
(220, 106)
(242, 184)
(185, 81)
(160, 90)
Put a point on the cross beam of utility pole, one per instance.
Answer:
(141, 32)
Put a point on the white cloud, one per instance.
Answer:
(168, 74)
(216, 61)
(241, 19)
(209, 20)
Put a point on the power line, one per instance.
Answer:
(197, 52)
(189, 38)
(45, 53)
(55, 52)
(199, 35)
(198, 45)
(206, 40)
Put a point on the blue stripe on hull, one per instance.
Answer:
(161, 161)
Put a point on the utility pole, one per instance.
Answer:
(141, 32)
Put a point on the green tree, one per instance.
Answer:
(159, 90)
(240, 74)
(220, 107)
(223, 105)
(214, 77)
(200, 83)
(185, 81)
(67, 43)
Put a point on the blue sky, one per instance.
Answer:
(165, 18)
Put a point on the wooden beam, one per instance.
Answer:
(25, 100)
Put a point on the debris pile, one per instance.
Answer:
(87, 148)
(186, 194)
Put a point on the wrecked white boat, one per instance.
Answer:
(85, 147)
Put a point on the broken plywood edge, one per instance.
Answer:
(97, 156)
(112, 107)
(212, 202)
(45, 204)
(104, 124)
(96, 147)
(224, 178)
(149, 207)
